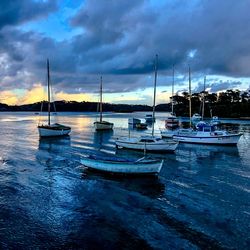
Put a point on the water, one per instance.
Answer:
(48, 200)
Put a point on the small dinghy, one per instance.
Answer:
(121, 165)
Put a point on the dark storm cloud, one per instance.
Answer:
(119, 40)
(122, 38)
(14, 12)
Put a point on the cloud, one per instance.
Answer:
(119, 40)
(19, 11)
(38, 93)
(35, 94)
(215, 86)
(8, 97)
(76, 97)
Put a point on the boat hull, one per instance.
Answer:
(149, 120)
(153, 167)
(141, 126)
(103, 125)
(48, 132)
(171, 122)
(167, 134)
(213, 140)
(171, 146)
(134, 121)
(171, 125)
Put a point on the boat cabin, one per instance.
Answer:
(150, 139)
(205, 127)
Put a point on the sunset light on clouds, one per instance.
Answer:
(83, 42)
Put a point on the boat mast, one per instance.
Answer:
(190, 96)
(156, 65)
(101, 100)
(173, 93)
(48, 75)
(203, 100)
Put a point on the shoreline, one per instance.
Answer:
(117, 112)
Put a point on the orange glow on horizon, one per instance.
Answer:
(8, 97)
(37, 94)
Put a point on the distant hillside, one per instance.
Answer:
(73, 106)
(231, 103)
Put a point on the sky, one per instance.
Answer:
(118, 40)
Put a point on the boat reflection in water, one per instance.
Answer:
(128, 153)
(102, 139)
(54, 149)
(149, 185)
(198, 152)
(52, 143)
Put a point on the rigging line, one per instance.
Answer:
(203, 99)
(42, 101)
(190, 98)
(173, 91)
(155, 67)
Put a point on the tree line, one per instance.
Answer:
(73, 106)
(230, 103)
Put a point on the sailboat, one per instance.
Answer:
(102, 125)
(148, 142)
(49, 130)
(201, 122)
(172, 121)
(205, 133)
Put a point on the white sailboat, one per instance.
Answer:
(49, 130)
(201, 121)
(205, 133)
(123, 166)
(102, 125)
(152, 142)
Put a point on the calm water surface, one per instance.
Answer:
(201, 198)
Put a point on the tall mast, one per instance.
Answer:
(173, 93)
(156, 66)
(203, 100)
(48, 91)
(190, 96)
(101, 100)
